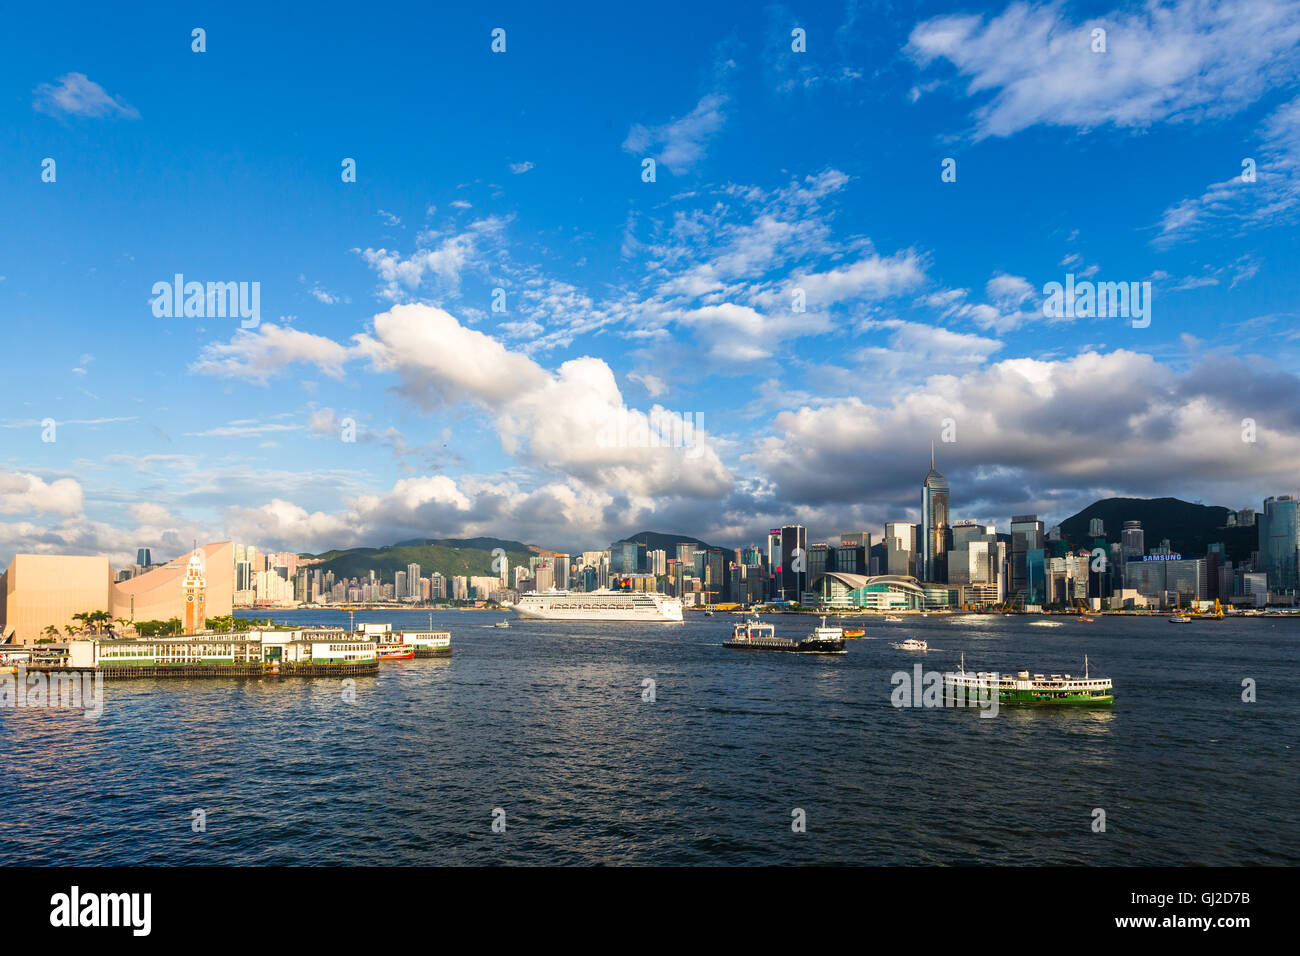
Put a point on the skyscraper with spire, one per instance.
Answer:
(935, 530)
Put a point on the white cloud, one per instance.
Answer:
(520, 168)
(76, 95)
(554, 420)
(1273, 198)
(255, 355)
(1076, 425)
(25, 493)
(681, 143)
(653, 384)
(442, 259)
(1166, 62)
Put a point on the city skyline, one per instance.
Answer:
(380, 397)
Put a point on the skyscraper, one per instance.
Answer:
(1026, 536)
(143, 557)
(900, 549)
(935, 532)
(1132, 545)
(1279, 543)
(412, 581)
(794, 561)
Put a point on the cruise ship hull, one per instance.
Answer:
(575, 608)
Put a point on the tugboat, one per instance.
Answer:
(823, 640)
(753, 635)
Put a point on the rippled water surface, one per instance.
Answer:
(546, 721)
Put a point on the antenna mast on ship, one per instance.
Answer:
(1085, 666)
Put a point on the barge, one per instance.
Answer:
(753, 635)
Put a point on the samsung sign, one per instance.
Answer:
(1163, 557)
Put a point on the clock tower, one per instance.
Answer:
(195, 589)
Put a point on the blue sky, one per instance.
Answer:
(776, 171)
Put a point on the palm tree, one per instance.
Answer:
(52, 633)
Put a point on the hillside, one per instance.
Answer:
(1189, 527)
(447, 556)
(660, 541)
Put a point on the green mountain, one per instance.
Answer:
(447, 556)
(1190, 527)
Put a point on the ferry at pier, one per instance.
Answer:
(603, 605)
(1052, 690)
(399, 651)
(753, 635)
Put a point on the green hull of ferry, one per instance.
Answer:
(1033, 698)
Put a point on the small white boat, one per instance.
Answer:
(893, 619)
(501, 624)
(1044, 623)
(912, 644)
(1180, 619)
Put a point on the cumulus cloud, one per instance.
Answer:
(255, 355)
(25, 493)
(1085, 427)
(558, 420)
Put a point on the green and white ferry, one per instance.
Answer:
(1052, 690)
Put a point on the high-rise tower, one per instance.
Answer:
(935, 531)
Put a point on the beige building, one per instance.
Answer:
(44, 590)
(39, 591)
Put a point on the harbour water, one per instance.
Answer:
(548, 721)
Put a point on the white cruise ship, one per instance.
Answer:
(602, 605)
